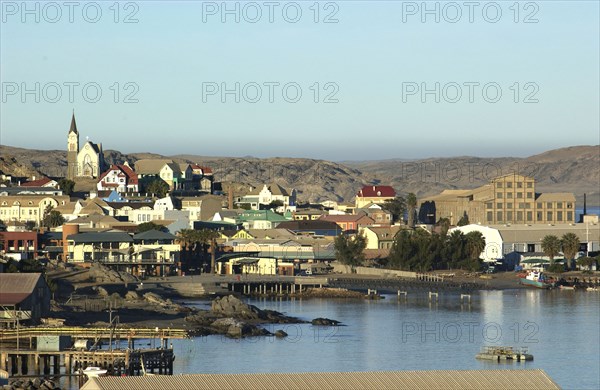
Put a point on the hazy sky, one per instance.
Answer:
(360, 77)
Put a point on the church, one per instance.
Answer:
(87, 161)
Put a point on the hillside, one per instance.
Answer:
(572, 169)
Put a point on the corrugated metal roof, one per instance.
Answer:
(15, 287)
(473, 379)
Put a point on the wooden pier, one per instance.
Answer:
(116, 362)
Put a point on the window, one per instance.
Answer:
(528, 205)
(509, 215)
(489, 205)
(519, 215)
(499, 195)
(509, 185)
(569, 205)
(539, 216)
(509, 205)
(529, 195)
(559, 205)
(559, 216)
(540, 205)
(529, 184)
(519, 184)
(499, 216)
(569, 215)
(490, 216)
(509, 195)
(529, 216)
(499, 185)
(549, 205)
(520, 195)
(549, 216)
(521, 205)
(498, 205)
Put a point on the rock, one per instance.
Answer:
(101, 291)
(280, 334)
(154, 298)
(37, 382)
(132, 296)
(324, 322)
(233, 307)
(237, 329)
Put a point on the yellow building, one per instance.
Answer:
(508, 199)
(28, 208)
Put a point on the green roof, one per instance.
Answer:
(261, 215)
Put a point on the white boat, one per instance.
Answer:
(593, 289)
(94, 372)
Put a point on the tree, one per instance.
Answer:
(475, 244)
(396, 206)
(158, 187)
(586, 262)
(274, 204)
(464, 220)
(551, 246)
(350, 249)
(411, 204)
(67, 186)
(52, 218)
(570, 247)
(196, 241)
(146, 226)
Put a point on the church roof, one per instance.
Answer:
(73, 128)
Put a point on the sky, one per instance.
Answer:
(339, 80)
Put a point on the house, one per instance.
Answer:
(203, 178)
(307, 214)
(349, 221)
(260, 219)
(143, 254)
(201, 208)
(380, 237)
(379, 215)
(244, 265)
(170, 172)
(374, 194)
(19, 245)
(317, 227)
(158, 248)
(508, 199)
(119, 177)
(502, 240)
(25, 208)
(268, 194)
(25, 299)
(43, 182)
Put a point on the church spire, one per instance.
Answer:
(73, 128)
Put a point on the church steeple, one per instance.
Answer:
(73, 128)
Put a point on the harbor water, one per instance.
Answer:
(559, 328)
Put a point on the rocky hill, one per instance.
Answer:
(572, 169)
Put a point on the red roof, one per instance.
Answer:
(346, 218)
(124, 169)
(205, 170)
(377, 191)
(37, 183)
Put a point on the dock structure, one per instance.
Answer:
(498, 353)
(116, 362)
(276, 286)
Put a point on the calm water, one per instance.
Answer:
(561, 329)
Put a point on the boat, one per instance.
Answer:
(593, 289)
(535, 279)
(94, 372)
(498, 353)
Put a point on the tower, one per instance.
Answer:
(72, 150)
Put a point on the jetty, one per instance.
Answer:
(497, 353)
(60, 351)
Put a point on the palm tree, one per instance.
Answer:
(411, 203)
(551, 247)
(570, 247)
(475, 244)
